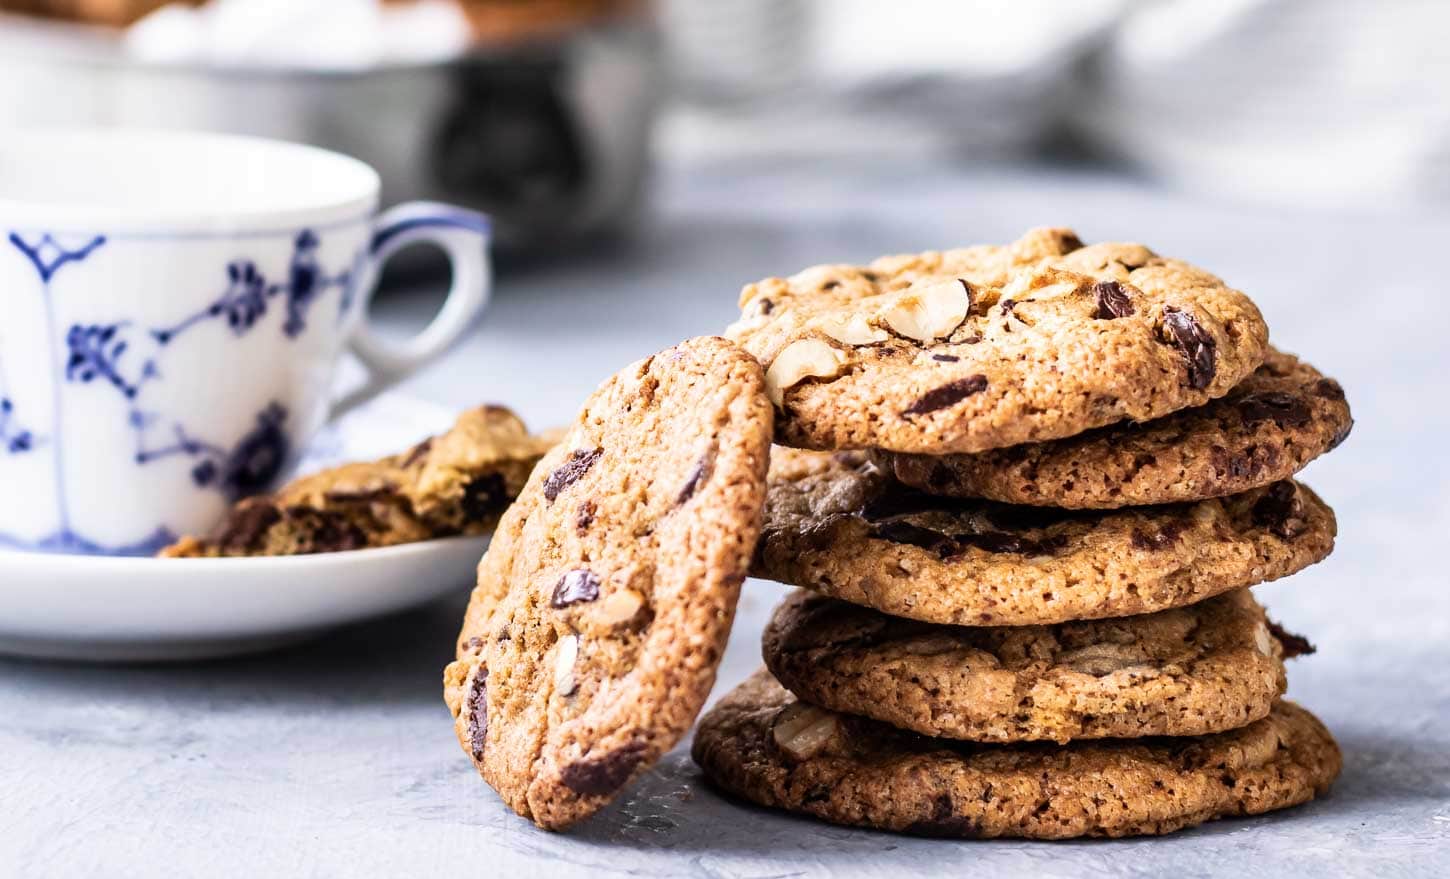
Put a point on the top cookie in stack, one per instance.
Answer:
(1054, 469)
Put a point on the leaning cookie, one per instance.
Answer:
(759, 743)
(458, 482)
(837, 525)
(984, 347)
(1266, 429)
(1212, 666)
(605, 600)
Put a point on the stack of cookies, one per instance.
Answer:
(1027, 489)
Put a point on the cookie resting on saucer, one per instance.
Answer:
(760, 744)
(605, 599)
(1267, 428)
(990, 346)
(836, 524)
(458, 482)
(1212, 666)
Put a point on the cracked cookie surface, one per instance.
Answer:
(604, 602)
(458, 482)
(990, 346)
(1267, 428)
(760, 744)
(836, 524)
(1212, 666)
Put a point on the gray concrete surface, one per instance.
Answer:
(337, 758)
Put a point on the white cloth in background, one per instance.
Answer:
(310, 34)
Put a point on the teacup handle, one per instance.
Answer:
(464, 236)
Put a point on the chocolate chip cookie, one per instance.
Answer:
(604, 602)
(836, 524)
(459, 482)
(991, 346)
(1213, 666)
(1266, 429)
(761, 744)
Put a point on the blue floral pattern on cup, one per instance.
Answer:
(128, 357)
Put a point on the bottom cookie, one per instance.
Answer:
(761, 744)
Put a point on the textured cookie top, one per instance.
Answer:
(605, 599)
(761, 744)
(836, 524)
(1266, 429)
(990, 346)
(1209, 667)
(458, 482)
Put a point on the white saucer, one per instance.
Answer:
(102, 609)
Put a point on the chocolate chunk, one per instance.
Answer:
(335, 533)
(585, 517)
(1111, 300)
(1286, 410)
(944, 822)
(945, 358)
(1194, 342)
(914, 535)
(947, 395)
(474, 644)
(997, 541)
(698, 475)
(484, 497)
(1329, 389)
(1280, 510)
(577, 464)
(574, 587)
(477, 708)
(417, 453)
(248, 523)
(1166, 535)
(766, 306)
(1294, 645)
(831, 284)
(360, 496)
(1340, 437)
(605, 774)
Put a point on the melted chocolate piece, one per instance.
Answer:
(1194, 342)
(944, 822)
(417, 453)
(484, 497)
(915, 535)
(579, 585)
(573, 468)
(947, 395)
(1111, 301)
(249, 521)
(1280, 510)
(1329, 389)
(477, 708)
(998, 541)
(585, 517)
(945, 358)
(1294, 645)
(603, 775)
(1286, 410)
(1167, 535)
(698, 475)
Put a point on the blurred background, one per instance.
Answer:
(550, 114)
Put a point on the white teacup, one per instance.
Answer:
(172, 310)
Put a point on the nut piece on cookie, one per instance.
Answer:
(930, 312)
(458, 482)
(807, 358)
